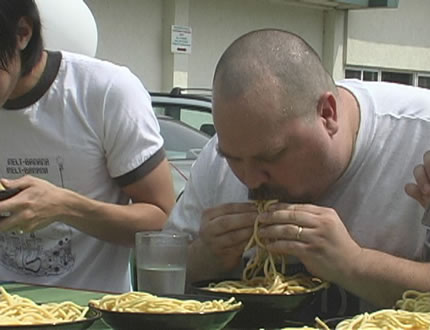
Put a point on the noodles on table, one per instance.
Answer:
(273, 282)
(142, 302)
(16, 310)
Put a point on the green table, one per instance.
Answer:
(41, 293)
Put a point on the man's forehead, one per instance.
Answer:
(262, 147)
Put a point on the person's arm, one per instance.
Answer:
(381, 278)
(40, 203)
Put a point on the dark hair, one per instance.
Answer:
(11, 11)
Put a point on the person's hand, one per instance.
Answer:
(421, 189)
(226, 229)
(37, 204)
(323, 244)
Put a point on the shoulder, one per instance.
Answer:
(391, 99)
(97, 70)
(102, 80)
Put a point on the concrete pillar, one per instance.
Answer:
(175, 66)
(335, 32)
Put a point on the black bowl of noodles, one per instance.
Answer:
(210, 320)
(90, 317)
(267, 310)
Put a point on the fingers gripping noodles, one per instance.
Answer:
(142, 302)
(273, 282)
(16, 310)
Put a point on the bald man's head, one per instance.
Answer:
(278, 59)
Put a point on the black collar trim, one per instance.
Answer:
(47, 78)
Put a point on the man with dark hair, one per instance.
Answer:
(80, 141)
(336, 156)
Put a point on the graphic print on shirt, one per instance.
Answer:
(48, 251)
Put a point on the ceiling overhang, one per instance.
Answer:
(345, 4)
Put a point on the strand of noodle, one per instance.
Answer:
(321, 324)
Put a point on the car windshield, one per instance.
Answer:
(180, 140)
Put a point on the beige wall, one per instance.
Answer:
(217, 23)
(130, 33)
(137, 33)
(391, 38)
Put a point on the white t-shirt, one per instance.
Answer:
(370, 199)
(87, 139)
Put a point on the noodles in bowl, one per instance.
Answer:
(412, 312)
(141, 310)
(389, 319)
(18, 312)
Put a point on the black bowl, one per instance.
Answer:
(201, 321)
(90, 317)
(265, 310)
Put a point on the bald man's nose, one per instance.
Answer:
(254, 176)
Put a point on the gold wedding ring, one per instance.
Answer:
(299, 232)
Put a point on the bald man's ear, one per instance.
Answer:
(327, 112)
(25, 31)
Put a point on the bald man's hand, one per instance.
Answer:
(225, 231)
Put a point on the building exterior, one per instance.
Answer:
(367, 39)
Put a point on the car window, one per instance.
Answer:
(194, 116)
(181, 141)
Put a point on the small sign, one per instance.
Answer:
(181, 39)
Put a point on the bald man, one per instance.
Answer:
(336, 156)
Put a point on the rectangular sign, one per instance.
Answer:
(181, 39)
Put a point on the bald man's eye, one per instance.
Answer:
(274, 157)
(227, 157)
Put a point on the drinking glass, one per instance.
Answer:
(161, 259)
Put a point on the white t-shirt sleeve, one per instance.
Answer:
(131, 130)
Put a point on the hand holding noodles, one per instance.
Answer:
(273, 282)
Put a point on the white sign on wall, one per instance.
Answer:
(181, 39)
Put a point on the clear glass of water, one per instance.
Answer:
(161, 259)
